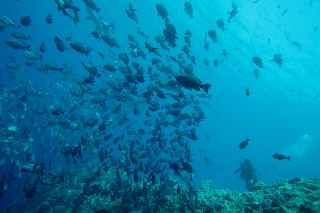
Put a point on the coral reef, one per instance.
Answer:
(112, 191)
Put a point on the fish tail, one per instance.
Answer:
(206, 87)
(288, 158)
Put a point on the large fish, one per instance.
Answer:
(192, 82)
(280, 156)
(17, 44)
(33, 167)
(9, 22)
(93, 16)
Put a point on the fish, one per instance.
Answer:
(13, 66)
(58, 111)
(59, 43)
(25, 21)
(256, 73)
(224, 53)
(162, 11)
(188, 9)
(49, 19)
(51, 180)
(247, 92)
(258, 61)
(32, 55)
(109, 67)
(132, 15)
(93, 16)
(17, 44)
(280, 156)
(152, 49)
(54, 67)
(42, 48)
(220, 24)
(244, 144)
(64, 5)
(284, 12)
(30, 185)
(92, 5)
(233, 12)
(278, 59)
(77, 46)
(191, 82)
(101, 55)
(111, 41)
(20, 36)
(213, 35)
(9, 22)
(33, 167)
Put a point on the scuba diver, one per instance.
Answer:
(248, 173)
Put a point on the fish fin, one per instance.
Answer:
(288, 158)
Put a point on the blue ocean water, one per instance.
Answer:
(281, 114)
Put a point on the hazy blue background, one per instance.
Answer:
(280, 115)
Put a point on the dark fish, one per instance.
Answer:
(66, 6)
(30, 185)
(77, 151)
(152, 49)
(244, 144)
(25, 21)
(42, 48)
(89, 189)
(59, 44)
(95, 33)
(132, 15)
(92, 5)
(51, 180)
(109, 67)
(257, 61)
(58, 111)
(131, 8)
(213, 35)
(220, 24)
(278, 59)
(101, 55)
(192, 82)
(20, 36)
(280, 156)
(66, 150)
(188, 9)
(256, 73)
(102, 126)
(135, 176)
(13, 66)
(162, 11)
(33, 167)
(77, 46)
(233, 12)
(17, 44)
(78, 201)
(112, 42)
(49, 19)
(284, 12)
(247, 92)
(108, 137)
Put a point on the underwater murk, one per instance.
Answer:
(159, 106)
